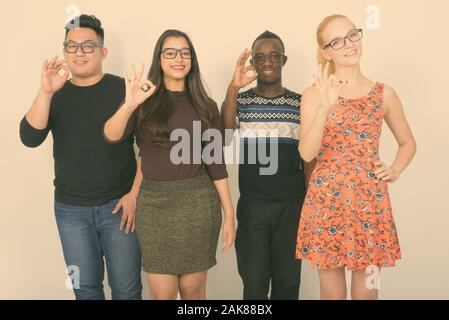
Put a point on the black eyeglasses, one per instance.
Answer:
(172, 53)
(339, 43)
(274, 56)
(86, 46)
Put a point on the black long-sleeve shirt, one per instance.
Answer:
(88, 170)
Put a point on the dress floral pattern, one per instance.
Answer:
(346, 219)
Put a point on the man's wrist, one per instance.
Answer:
(45, 94)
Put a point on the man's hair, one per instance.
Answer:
(86, 21)
(269, 35)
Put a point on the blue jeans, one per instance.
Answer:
(87, 235)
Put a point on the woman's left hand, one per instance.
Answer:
(385, 172)
(228, 234)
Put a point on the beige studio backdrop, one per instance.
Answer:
(405, 46)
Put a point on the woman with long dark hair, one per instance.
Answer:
(178, 215)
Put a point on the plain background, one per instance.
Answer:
(408, 52)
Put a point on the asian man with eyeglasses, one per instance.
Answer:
(95, 195)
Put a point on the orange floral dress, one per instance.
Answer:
(346, 219)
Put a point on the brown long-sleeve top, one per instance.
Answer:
(156, 162)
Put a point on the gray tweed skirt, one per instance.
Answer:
(178, 224)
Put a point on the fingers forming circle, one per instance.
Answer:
(146, 87)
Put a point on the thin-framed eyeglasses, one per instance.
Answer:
(274, 56)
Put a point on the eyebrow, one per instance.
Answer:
(261, 52)
(353, 29)
(82, 41)
(176, 48)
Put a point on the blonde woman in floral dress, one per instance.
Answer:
(346, 220)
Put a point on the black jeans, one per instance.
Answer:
(265, 247)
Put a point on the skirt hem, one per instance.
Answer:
(159, 270)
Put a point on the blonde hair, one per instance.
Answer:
(319, 39)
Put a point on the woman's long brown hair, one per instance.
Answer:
(156, 110)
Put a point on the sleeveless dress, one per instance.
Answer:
(346, 219)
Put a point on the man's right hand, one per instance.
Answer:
(54, 74)
(243, 75)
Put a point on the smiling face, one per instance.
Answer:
(351, 53)
(269, 70)
(84, 65)
(176, 68)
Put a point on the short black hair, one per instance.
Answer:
(269, 35)
(86, 21)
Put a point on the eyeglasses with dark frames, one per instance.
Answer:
(86, 46)
(274, 56)
(339, 43)
(172, 53)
